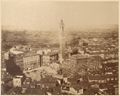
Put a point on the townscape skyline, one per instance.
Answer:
(59, 48)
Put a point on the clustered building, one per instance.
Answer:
(88, 68)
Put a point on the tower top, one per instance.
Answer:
(62, 25)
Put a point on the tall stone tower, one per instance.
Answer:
(61, 40)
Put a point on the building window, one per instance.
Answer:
(116, 78)
(112, 79)
(108, 79)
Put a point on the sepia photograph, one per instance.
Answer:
(59, 47)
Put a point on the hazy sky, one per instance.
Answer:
(44, 15)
